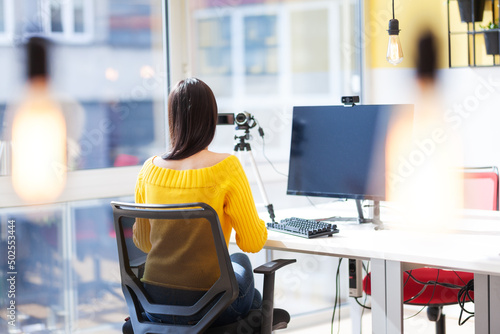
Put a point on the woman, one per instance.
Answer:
(191, 173)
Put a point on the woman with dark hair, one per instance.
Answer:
(188, 173)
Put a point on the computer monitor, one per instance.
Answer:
(339, 151)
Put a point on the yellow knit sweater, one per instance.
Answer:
(223, 186)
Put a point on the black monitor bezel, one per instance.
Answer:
(373, 197)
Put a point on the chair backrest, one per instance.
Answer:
(222, 293)
(481, 188)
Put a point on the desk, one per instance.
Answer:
(390, 253)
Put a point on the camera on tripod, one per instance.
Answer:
(244, 121)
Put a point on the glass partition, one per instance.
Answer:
(107, 69)
(62, 269)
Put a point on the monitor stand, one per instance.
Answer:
(361, 218)
(376, 215)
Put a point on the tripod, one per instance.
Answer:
(241, 146)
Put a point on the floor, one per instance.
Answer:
(320, 323)
(413, 324)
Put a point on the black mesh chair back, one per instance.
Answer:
(221, 294)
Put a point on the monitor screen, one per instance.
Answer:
(339, 151)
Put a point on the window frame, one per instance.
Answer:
(81, 185)
(69, 36)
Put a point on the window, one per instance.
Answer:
(78, 17)
(2, 16)
(130, 23)
(56, 24)
(261, 45)
(214, 51)
(111, 91)
(67, 276)
(113, 99)
(108, 67)
(311, 63)
(70, 21)
(214, 46)
(261, 54)
(264, 57)
(6, 22)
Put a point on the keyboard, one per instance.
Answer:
(305, 228)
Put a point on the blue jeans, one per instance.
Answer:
(248, 297)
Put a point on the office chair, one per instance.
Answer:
(434, 287)
(222, 293)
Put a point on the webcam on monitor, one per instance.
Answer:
(349, 101)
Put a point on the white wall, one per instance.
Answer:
(471, 98)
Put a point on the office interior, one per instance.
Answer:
(112, 63)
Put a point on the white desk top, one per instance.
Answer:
(475, 246)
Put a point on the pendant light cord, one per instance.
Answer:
(393, 10)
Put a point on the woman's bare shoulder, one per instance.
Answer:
(199, 160)
(213, 158)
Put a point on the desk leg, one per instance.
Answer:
(355, 314)
(481, 304)
(495, 304)
(486, 304)
(387, 297)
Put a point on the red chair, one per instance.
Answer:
(481, 188)
(434, 287)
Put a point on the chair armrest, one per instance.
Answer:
(269, 269)
(271, 266)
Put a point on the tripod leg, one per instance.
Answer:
(239, 155)
(269, 206)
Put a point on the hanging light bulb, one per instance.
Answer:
(394, 49)
(38, 134)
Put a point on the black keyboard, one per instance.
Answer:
(305, 228)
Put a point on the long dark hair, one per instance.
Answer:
(192, 118)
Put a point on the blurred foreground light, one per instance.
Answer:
(147, 72)
(421, 167)
(38, 135)
(111, 74)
